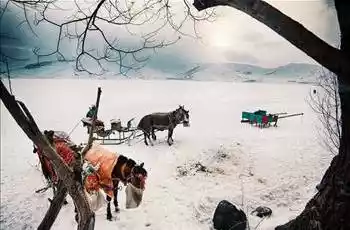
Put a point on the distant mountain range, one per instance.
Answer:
(293, 72)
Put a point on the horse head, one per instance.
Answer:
(182, 116)
(136, 186)
(138, 176)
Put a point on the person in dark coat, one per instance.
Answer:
(91, 112)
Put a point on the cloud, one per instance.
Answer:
(234, 56)
(232, 37)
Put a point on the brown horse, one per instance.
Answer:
(111, 169)
(162, 121)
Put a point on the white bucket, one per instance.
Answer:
(133, 196)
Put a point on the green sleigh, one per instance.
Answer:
(261, 119)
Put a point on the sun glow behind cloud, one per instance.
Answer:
(239, 37)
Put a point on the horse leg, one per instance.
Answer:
(170, 138)
(149, 138)
(145, 138)
(154, 137)
(115, 192)
(109, 214)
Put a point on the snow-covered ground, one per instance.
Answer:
(278, 167)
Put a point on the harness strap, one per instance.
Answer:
(106, 187)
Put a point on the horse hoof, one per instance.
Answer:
(109, 216)
(117, 209)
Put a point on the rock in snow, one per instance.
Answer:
(228, 217)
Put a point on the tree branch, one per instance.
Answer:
(123, 16)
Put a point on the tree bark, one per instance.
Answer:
(330, 207)
(291, 30)
(75, 189)
(55, 208)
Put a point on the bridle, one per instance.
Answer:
(173, 116)
(141, 178)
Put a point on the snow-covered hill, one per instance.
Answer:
(293, 72)
(232, 72)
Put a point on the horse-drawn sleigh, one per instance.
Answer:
(148, 125)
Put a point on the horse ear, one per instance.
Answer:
(142, 164)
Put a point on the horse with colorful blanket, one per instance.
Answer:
(109, 169)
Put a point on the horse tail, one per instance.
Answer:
(141, 123)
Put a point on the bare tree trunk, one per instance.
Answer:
(55, 207)
(75, 189)
(330, 207)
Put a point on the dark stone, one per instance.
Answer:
(228, 217)
(262, 211)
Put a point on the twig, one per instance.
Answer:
(43, 189)
(262, 219)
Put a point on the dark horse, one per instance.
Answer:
(162, 121)
(110, 169)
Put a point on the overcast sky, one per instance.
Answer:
(235, 37)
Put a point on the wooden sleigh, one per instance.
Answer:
(116, 135)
